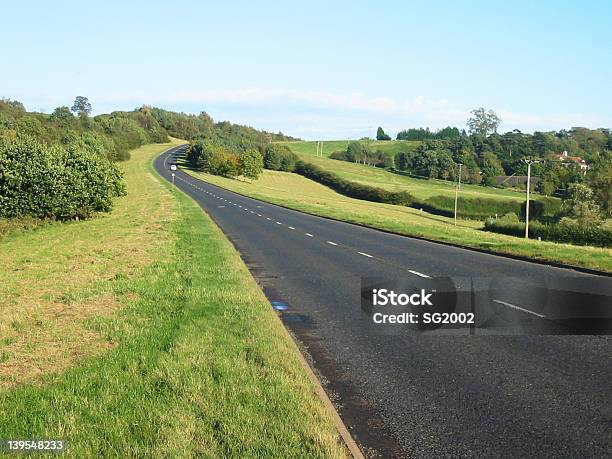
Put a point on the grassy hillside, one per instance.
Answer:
(294, 191)
(393, 181)
(141, 333)
(308, 147)
(420, 188)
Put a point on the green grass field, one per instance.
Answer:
(309, 147)
(297, 192)
(141, 333)
(419, 188)
(368, 175)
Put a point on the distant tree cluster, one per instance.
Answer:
(426, 134)
(381, 135)
(112, 135)
(279, 158)
(193, 127)
(221, 158)
(358, 152)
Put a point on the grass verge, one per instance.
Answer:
(183, 356)
(297, 192)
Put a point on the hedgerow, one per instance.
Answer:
(566, 232)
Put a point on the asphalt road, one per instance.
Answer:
(503, 392)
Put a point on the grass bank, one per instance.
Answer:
(142, 333)
(297, 192)
(419, 188)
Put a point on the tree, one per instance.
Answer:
(251, 163)
(81, 106)
(483, 122)
(357, 152)
(381, 135)
(600, 181)
(491, 167)
(62, 115)
(581, 205)
(402, 160)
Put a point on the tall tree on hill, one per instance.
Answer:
(81, 106)
(251, 163)
(483, 122)
(381, 135)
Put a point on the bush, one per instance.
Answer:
(567, 232)
(351, 189)
(279, 158)
(55, 182)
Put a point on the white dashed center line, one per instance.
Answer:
(518, 308)
(278, 223)
(419, 274)
(331, 243)
(268, 218)
(309, 235)
(365, 254)
(291, 227)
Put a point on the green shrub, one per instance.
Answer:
(567, 232)
(54, 182)
(279, 158)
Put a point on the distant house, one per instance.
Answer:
(566, 159)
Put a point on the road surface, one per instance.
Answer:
(405, 394)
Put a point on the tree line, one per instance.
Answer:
(485, 155)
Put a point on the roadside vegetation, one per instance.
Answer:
(142, 331)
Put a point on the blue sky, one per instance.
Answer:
(318, 70)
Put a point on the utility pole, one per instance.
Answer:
(457, 192)
(529, 162)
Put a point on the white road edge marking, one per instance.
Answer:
(291, 227)
(309, 235)
(419, 274)
(331, 243)
(365, 254)
(513, 306)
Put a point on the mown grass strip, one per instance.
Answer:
(200, 366)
